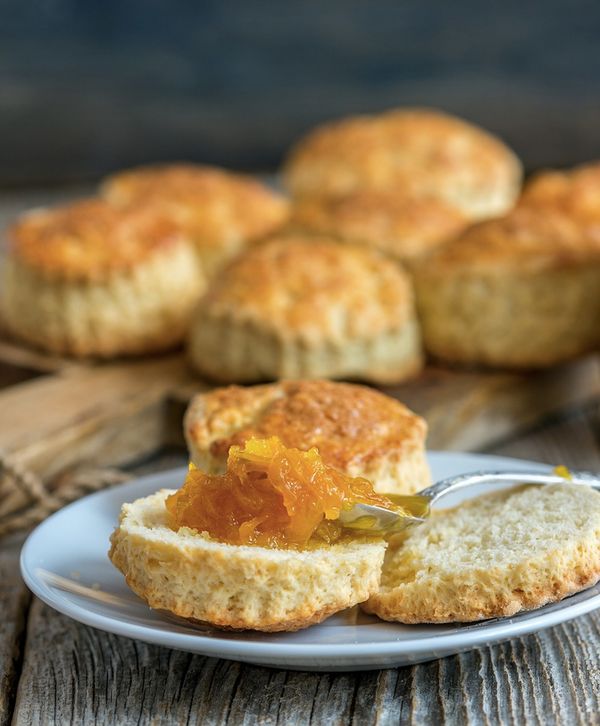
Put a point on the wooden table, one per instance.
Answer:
(55, 670)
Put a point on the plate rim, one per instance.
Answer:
(472, 635)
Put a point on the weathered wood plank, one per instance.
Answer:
(572, 441)
(78, 403)
(109, 415)
(469, 410)
(75, 674)
(19, 356)
(14, 603)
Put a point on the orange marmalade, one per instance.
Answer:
(270, 496)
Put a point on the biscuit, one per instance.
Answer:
(575, 192)
(519, 292)
(233, 586)
(412, 150)
(357, 430)
(85, 279)
(493, 557)
(298, 307)
(401, 225)
(220, 211)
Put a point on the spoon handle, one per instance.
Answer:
(454, 483)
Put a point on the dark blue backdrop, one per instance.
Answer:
(89, 86)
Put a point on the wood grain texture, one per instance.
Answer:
(573, 440)
(106, 415)
(14, 604)
(73, 674)
(469, 410)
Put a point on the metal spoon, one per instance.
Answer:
(371, 518)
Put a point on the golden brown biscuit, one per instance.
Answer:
(493, 556)
(297, 307)
(522, 291)
(85, 279)
(233, 586)
(413, 150)
(219, 210)
(401, 225)
(357, 430)
(575, 192)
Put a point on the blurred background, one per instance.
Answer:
(90, 86)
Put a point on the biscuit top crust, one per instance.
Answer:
(421, 150)
(524, 241)
(89, 239)
(351, 425)
(403, 225)
(575, 193)
(215, 206)
(312, 288)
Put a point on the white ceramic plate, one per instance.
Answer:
(65, 563)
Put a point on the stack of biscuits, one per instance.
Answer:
(334, 295)
(122, 273)
(405, 233)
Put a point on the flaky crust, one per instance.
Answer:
(402, 225)
(493, 557)
(142, 309)
(89, 239)
(220, 211)
(298, 306)
(521, 291)
(524, 240)
(356, 429)
(314, 289)
(575, 193)
(421, 151)
(239, 587)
